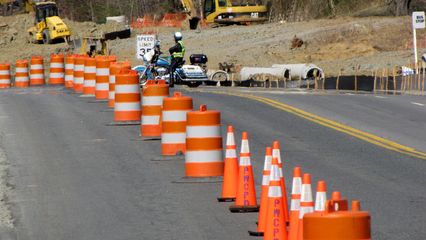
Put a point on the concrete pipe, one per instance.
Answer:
(301, 71)
(118, 19)
(254, 73)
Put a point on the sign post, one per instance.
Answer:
(418, 23)
(144, 44)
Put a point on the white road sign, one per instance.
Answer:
(144, 44)
(418, 20)
(418, 23)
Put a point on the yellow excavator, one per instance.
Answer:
(225, 12)
(48, 25)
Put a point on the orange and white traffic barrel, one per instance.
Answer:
(22, 79)
(102, 78)
(89, 76)
(4, 75)
(203, 156)
(173, 133)
(115, 68)
(338, 222)
(127, 105)
(153, 94)
(37, 71)
(79, 73)
(112, 58)
(69, 71)
(57, 70)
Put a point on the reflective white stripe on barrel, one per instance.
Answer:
(56, 75)
(174, 116)
(112, 79)
(20, 70)
(56, 65)
(21, 79)
(36, 67)
(78, 80)
(152, 101)
(4, 72)
(126, 88)
(203, 156)
(150, 120)
(127, 106)
(89, 69)
(69, 66)
(203, 131)
(112, 92)
(37, 76)
(78, 68)
(89, 83)
(102, 86)
(102, 72)
(172, 138)
(5, 81)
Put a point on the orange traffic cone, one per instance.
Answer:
(321, 197)
(336, 202)
(246, 193)
(275, 225)
(295, 203)
(335, 196)
(230, 177)
(276, 152)
(261, 221)
(306, 203)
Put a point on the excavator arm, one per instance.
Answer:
(188, 6)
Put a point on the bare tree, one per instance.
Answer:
(401, 7)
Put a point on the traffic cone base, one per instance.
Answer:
(223, 199)
(172, 149)
(127, 116)
(212, 169)
(151, 131)
(256, 234)
(244, 209)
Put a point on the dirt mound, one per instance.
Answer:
(13, 29)
(82, 29)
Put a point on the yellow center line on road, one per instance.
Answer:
(368, 137)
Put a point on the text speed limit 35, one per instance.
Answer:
(144, 44)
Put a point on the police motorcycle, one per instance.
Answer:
(156, 67)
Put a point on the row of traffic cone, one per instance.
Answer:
(275, 221)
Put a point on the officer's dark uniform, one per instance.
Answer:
(177, 52)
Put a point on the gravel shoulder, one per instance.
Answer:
(6, 219)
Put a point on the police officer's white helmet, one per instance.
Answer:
(178, 36)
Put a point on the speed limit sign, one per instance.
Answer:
(144, 44)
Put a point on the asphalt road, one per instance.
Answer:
(74, 177)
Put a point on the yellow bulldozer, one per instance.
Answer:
(48, 26)
(225, 12)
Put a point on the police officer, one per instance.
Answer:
(177, 52)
